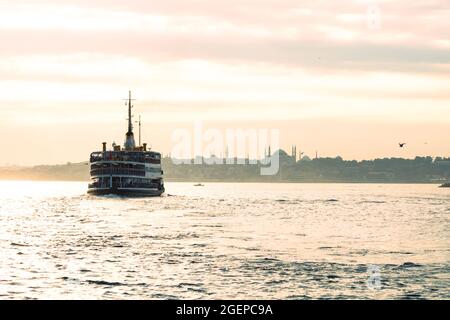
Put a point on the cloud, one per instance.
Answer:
(163, 47)
(324, 35)
(255, 60)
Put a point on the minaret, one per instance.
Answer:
(129, 144)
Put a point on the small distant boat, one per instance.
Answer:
(199, 185)
(445, 185)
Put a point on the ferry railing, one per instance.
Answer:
(130, 159)
(140, 185)
(125, 185)
(117, 171)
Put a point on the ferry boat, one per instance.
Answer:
(129, 171)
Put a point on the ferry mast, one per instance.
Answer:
(129, 144)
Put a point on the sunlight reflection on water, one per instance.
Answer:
(224, 241)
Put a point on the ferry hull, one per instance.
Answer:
(126, 192)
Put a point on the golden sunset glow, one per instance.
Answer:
(321, 73)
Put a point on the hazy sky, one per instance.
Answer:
(349, 78)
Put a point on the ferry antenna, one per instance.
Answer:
(139, 122)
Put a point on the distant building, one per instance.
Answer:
(305, 158)
(285, 159)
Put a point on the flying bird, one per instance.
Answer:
(402, 144)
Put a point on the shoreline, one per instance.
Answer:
(2, 179)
